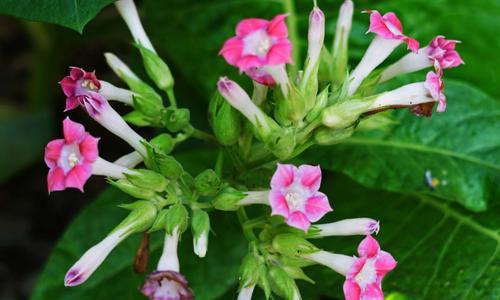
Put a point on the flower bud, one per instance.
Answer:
(163, 142)
(168, 166)
(149, 105)
(281, 142)
(157, 69)
(142, 215)
(228, 199)
(293, 245)
(128, 11)
(225, 120)
(329, 136)
(127, 187)
(207, 183)
(341, 43)
(357, 226)
(147, 179)
(344, 114)
(320, 103)
(200, 223)
(283, 284)
(176, 218)
(138, 119)
(175, 119)
(160, 221)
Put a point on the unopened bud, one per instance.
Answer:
(316, 35)
(250, 270)
(200, 223)
(149, 105)
(320, 103)
(340, 44)
(156, 68)
(163, 142)
(282, 283)
(225, 120)
(207, 183)
(281, 142)
(293, 245)
(175, 119)
(176, 217)
(228, 199)
(127, 187)
(329, 136)
(160, 221)
(147, 179)
(345, 114)
(141, 217)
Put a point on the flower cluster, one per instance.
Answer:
(288, 112)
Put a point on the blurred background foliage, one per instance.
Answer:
(446, 240)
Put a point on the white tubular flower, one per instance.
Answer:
(109, 169)
(119, 67)
(255, 197)
(358, 226)
(112, 92)
(128, 11)
(130, 160)
(169, 261)
(338, 262)
(316, 36)
(246, 292)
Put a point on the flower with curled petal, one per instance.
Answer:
(388, 26)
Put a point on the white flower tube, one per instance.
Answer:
(358, 226)
(255, 197)
(246, 292)
(316, 36)
(341, 41)
(338, 262)
(112, 92)
(128, 11)
(409, 63)
(105, 168)
(129, 160)
(169, 261)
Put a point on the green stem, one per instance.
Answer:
(243, 218)
(219, 163)
(205, 136)
(289, 6)
(171, 97)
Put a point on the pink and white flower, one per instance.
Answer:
(428, 91)
(440, 53)
(294, 195)
(73, 159)
(364, 279)
(389, 33)
(166, 285)
(357, 226)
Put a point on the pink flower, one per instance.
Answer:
(434, 84)
(364, 279)
(388, 26)
(166, 285)
(442, 51)
(258, 43)
(81, 88)
(259, 75)
(294, 195)
(70, 159)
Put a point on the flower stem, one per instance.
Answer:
(243, 218)
(171, 97)
(219, 163)
(289, 6)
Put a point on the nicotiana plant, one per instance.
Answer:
(287, 113)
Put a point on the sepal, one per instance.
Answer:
(175, 119)
(228, 199)
(176, 217)
(156, 68)
(225, 120)
(141, 217)
(127, 187)
(293, 245)
(147, 179)
(207, 183)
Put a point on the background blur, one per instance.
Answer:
(188, 34)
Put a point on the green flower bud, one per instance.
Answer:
(293, 245)
(293, 108)
(175, 119)
(156, 68)
(225, 120)
(329, 136)
(207, 183)
(141, 217)
(149, 105)
(147, 179)
(176, 217)
(228, 199)
(169, 167)
(250, 270)
(127, 187)
(200, 224)
(283, 285)
(281, 142)
(160, 221)
(297, 273)
(137, 118)
(344, 114)
(321, 102)
(163, 142)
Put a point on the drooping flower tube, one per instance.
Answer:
(431, 90)
(364, 274)
(358, 226)
(389, 35)
(260, 49)
(440, 53)
(82, 88)
(73, 159)
(128, 11)
(166, 282)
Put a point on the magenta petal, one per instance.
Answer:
(413, 44)
(317, 206)
(277, 26)
(351, 290)
(384, 263)
(74, 277)
(76, 73)
(278, 204)
(280, 53)
(283, 176)
(310, 176)
(377, 25)
(72, 102)
(53, 152)
(249, 61)
(391, 21)
(298, 220)
(260, 76)
(73, 132)
(368, 247)
(356, 267)
(373, 292)
(441, 105)
(232, 50)
(247, 26)
(68, 86)
(89, 149)
(77, 176)
(55, 180)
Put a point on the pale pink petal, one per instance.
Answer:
(89, 149)
(377, 25)
(278, 204)
(232, 50)
(283, 176)
(372, 292)
(280, 53)
(352, 290)
(247, 26)
(298, 220)
(441, 105)
(78, 175)
(277, 26)
(68, 86)
(384, 263)
(310, 176)
(392, 23)
(52, 152)
(73, 132)
(413, 44)
(356, 267)
(368, 247)
(55, 180)
(250, 61)
(317, 206)
(72, 102)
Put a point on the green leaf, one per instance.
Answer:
(461, 149)
(20, 143)
(73, 14)
(210, 277)
(443, 251)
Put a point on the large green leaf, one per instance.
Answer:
(461, 149)
(210, 277)
(74, 14)
(443, 251)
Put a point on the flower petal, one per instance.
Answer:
(72, 102)
(89, 149)
(372, 292)
(232, 50)
(53, 152)
(277, 26)
(283, 176)
(68, 86)
(298, 220)
(317, 206)
(310, 176)
(278, 203)
(78, 175)
(55, 180)
(368, 247)
(384, 263)
(73, 132)
(76, 73)
(250, 61)
(280, 53)
(352, 291)
(413, 44)
(247, 26)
